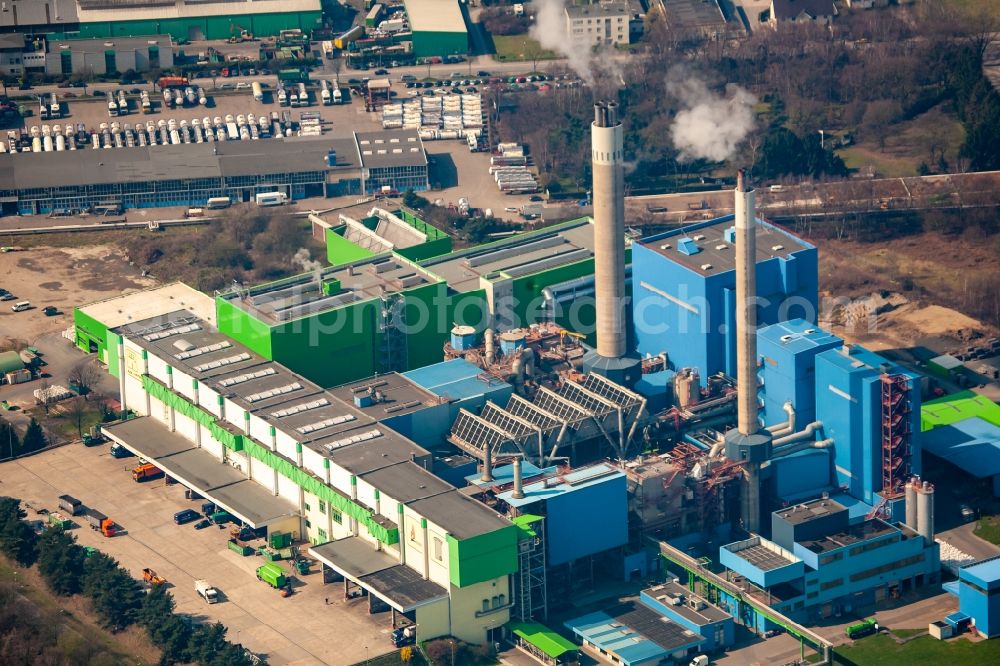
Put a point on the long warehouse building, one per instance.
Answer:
(190, 174)
(194, 20)
(281, 453)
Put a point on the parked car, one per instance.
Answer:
(185, 516)
(382, 72)
(968, 513)
(202, 524)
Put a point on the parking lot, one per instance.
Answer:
(301, 629)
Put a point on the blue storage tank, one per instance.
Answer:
(511, 341)
(463, 337)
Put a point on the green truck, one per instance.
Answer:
(273, 575)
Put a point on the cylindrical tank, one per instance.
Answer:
(518, 480)
(911, 504)
(925, 511)
(489, 348)
(687, 389)
(47, 143)
(511, 341)
(462, 337)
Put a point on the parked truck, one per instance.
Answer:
(152, 578)
(71, 505)
(273, 575)
(146, 471)
(101, 523)
(258, 91)
(206, 591)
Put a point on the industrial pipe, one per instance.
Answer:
(805, 433)
(795, 447)
(717, 448)
(786, 427)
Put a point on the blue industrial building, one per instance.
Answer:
(679, 605)
(978, 592)
(684, 291)
(870, 407)
(633, 634)
(818, 564)
(585, 510)
(787, 373)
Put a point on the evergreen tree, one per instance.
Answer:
(60, 561)
(119, 602)
(173, 637)
(34, 438)
(157, 609)
(17, 539)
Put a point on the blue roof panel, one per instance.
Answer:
(798, 335)
(456, 379)
(972, 444)
(603, 631)
(985, 573)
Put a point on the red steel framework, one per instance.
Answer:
(896, 434)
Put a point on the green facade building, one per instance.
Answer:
(438, 27)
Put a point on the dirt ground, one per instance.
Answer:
(932, 275)
(63, 277)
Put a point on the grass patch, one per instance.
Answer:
(988, 529)
(513, 48)
(974, 7)
(906, 633)
(885, 165)
(881, 650)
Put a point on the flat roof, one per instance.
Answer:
(634, 631)
(394, 395)
(365, 457)
(798, 335)
(985, 571)
(714, 249)
(381, 574)
(972, 445)
(30, 14)
(303, 295)
(100, 45)
(390, 148)
(435, 16)
(141, 164)
(708, 613)
(853, 535)
(407, 482)
(135, 10)
(698, 14)
(806, 511)
(517, 256)
(958, 407)
(148, 303)
(762, 558)
(551, 487)
(462, 517)
(157, 442)
(456, 379)
(598, 9)
(197, 468)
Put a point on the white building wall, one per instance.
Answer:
(313, 462)
(288, 489)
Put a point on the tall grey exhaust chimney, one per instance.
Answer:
(748, 443)
(611, 358)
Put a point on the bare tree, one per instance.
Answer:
(84, 375)
(76, 412)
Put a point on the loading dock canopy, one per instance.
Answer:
(382, 575)
(223, 484)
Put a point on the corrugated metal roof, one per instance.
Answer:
(435, 16)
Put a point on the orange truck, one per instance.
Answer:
(152, 578)
(172, 81)
(145, 472)
(101, 523)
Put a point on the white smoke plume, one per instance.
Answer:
(303, 259)
(708, 125)
(549, 29)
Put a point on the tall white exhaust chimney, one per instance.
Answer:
(611, 358)
(748, 443)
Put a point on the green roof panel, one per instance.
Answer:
(543, 638)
